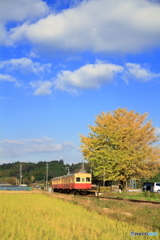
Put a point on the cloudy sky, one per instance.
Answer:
(64, 62)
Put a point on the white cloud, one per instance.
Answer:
(103, 25)
(42, 87)
(19, 10)
(33, 54)
(32, 146)
(136, 71)
(87, 77)
(8, 78)
(91, 76)
(25, 64)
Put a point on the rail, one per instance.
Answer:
(123, 199)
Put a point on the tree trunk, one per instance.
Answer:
(122, 184)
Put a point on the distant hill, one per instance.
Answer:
(36, 172)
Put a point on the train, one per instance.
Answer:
(76, 183)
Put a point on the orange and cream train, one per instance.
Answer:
(72, 183)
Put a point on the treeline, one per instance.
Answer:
(36, 172)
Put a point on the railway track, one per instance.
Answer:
(123, 199)
(117, 198)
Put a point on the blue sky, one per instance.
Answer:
(64, 62)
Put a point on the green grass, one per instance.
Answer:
(146, 196)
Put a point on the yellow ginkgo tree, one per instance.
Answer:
(122, 145)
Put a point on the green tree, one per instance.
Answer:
(122, 146)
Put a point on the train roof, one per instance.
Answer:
(69, 175)
(64, 176)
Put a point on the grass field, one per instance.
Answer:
(33, 216)
(147, 196)
(135, 213)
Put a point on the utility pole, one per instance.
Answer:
(47, 175)
(20, 172)
(82, 170)
(67, 168)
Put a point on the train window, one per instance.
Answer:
(82, 179)
(78, 179)
(88, 179)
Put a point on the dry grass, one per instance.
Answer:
(37, 216)
(143, 214)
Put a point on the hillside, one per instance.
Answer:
(36, 172)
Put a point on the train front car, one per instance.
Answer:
(82, 182)
(72, 183)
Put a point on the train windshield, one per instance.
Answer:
(88, 179)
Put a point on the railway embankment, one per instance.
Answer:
(144, 213)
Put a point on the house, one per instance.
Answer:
(2, 183)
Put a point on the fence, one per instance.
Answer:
(15, 188)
